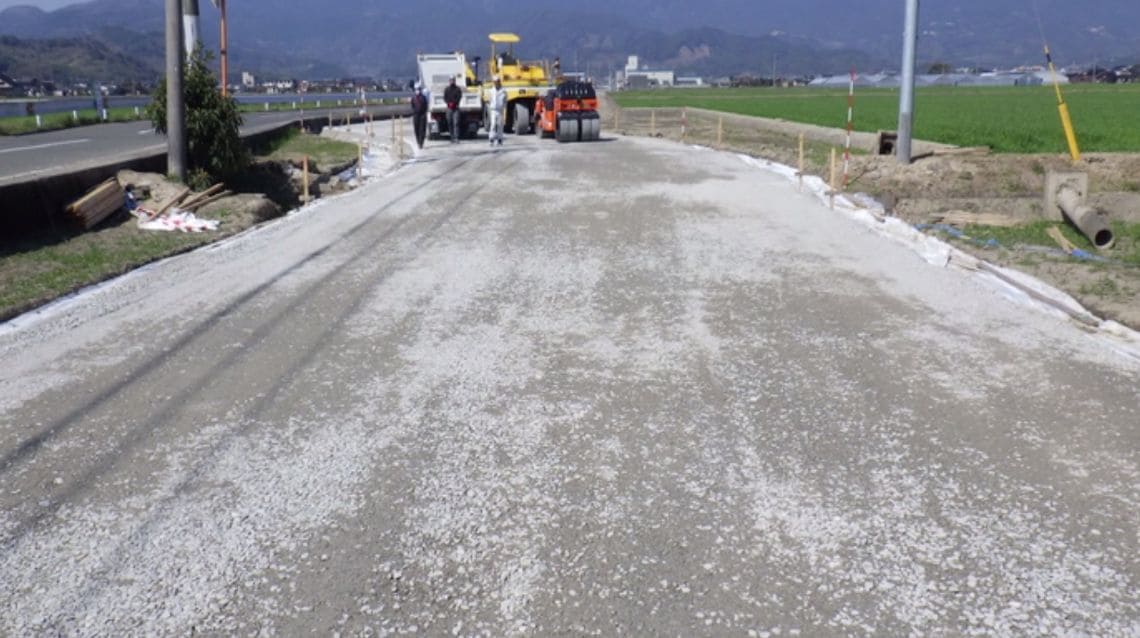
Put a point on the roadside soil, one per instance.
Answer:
(37, 269)
(960, 182)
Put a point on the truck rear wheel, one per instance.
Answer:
(522, 119)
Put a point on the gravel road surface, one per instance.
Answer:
(627, 387)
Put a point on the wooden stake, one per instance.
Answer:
(209, 200)
(305, 179)
(834, 168)
(617, 118)
(720, 132)
(800, 174)
(179, 196)
(359, 159)
(653, 123)
(203, 195)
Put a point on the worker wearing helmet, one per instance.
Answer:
(420, 115)
(498, 108)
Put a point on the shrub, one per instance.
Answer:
(213, 122)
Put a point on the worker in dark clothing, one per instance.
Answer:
(419, 115)
(452, 95)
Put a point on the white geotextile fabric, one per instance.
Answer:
(180, 220)
(870, 213)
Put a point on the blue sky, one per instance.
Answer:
(46, 5)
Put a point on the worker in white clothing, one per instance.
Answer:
(498, 108)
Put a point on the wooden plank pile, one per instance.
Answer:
(185, 201)
(98, 204)
(109, 197)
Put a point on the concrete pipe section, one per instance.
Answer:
(1086, 218)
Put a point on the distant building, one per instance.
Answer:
(690, 81)
(247, 80)
(1027, 77)
(8, 86)
(639, 78)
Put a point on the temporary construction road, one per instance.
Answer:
(624, 387)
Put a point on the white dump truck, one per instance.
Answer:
(436, 71)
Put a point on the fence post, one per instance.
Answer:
(834, 168)
(305, 179)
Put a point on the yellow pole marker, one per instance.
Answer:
(1063, 109)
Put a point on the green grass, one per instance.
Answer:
(322, 151)
(1007, 119)
(33, 274)
(22, 124)
(1034, 233)
(1127, 249)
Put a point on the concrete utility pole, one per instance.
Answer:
(175, 103)
(190, 26)
(906, 94)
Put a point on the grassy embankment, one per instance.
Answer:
(23, 124)
(35, 270)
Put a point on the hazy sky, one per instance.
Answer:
(46, 5)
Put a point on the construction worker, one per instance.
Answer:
(453, 95)
(419, 115)
(498, 108)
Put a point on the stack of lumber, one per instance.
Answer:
(98, 204)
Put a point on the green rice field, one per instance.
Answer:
(1007, 119)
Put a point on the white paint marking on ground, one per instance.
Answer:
(41, 146)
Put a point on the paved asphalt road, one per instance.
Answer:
(617, 388)
(24, 157)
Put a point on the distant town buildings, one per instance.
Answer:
(248, 81)
(636, 77)
(8, 86)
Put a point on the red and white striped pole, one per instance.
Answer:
(850, 125)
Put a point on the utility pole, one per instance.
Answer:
(175, 103)
(190, 26)
(906, 93)
(224, 47)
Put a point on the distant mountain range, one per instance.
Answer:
(295, 38)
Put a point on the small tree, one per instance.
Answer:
(213, 123)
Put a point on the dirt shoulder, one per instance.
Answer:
(989, 205)
(39, 268)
